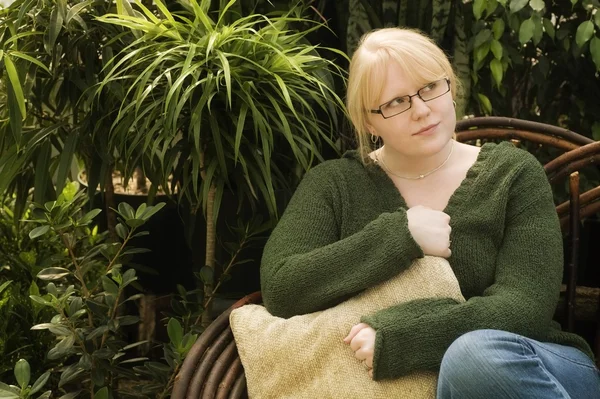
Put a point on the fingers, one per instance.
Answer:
(353, 331)
(361, 342)
(364, 352)
(438, 217)
(430, 229)
(448, 252)
(446, 217)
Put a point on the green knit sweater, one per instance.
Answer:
(346, 229)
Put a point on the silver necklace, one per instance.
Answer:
(419, 177)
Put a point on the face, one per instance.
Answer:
(424, 129)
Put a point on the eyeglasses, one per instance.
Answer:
(402, 104)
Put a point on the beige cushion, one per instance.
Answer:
(304, 356)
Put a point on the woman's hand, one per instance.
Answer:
(362, 341)
(431, 230)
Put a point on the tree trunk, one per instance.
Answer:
(211, 241)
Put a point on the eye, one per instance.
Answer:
(397, 102)
(430, 86)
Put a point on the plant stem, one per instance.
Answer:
(211, 234)
(112, 261)
(113, 311)
(78, 273)
(229, 266)
(110, 203)
(125, 241)
(170, 383)
(72, 328)
(111, 315)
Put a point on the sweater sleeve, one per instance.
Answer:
(415, 335)
(307, 266)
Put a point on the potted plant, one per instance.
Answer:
(224, 104)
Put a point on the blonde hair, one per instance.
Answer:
(418, 56)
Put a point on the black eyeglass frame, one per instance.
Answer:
(378, 110)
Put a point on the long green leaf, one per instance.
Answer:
(218, 144)
(201, 15)
(220, 188)
(30, 59)
(164, 10)
(223, 12)
(124, 8)
(241, 122)
(147, 12)
(56, 23)
(15, 84)
(66, 158)
(284, 92)
(35, 137)
(41, 174)
(286, 131)
(197, 113)
(227, 72)
(19, 36)
(74, 11)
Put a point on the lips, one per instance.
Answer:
(426, 130)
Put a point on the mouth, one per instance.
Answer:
(426, 130)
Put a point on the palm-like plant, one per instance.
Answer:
(240, 103)
(51, 53)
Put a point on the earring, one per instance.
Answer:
(374, 139)
(454, 102)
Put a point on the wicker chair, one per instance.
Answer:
(213, 369)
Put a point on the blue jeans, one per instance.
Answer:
(497, 364)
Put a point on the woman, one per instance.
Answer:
(359, 220)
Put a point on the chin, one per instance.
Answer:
(435, 145)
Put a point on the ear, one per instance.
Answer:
(371, 130)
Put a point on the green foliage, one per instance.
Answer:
(21, 258)
(24, 390)
(531, 59)
(234, 102)
(83, 309)
(51, 53)
(548, 65)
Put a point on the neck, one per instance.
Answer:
(402, 165)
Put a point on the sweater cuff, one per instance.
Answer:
(411, 249)
(404, 341)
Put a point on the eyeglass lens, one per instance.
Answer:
(401, 104)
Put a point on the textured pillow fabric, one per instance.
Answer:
(305, 357)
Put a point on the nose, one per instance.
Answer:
(420, 109)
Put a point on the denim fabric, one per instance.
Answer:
(497, 364)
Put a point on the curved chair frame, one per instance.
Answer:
(213, 369)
